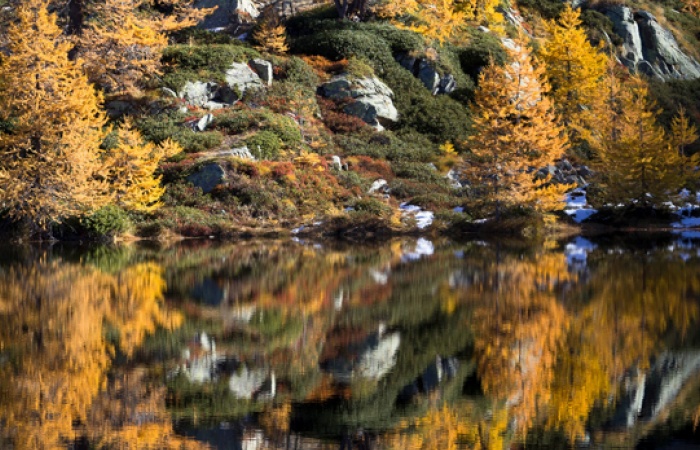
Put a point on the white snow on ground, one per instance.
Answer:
(577, 205)
(423, 248)
(577, 251)
(423, 218)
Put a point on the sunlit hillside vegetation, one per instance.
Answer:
(467, 110)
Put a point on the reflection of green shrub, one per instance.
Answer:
(264, 145)
(109, 220)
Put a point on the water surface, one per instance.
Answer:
(412, 344)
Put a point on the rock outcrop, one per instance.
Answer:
(648, 47)
(207, 177)
(372, 98)
(426, 72)
(240, 78)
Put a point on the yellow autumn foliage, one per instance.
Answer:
(132, 165)
(516, 130)
(50, 165)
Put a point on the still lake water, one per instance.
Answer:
(411, 344)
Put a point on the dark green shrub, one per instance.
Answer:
(109, 220)
(264, 145)
(599, 26)
(206, 57)
(422, 172)
(198, 36)
(441, 118)
(240, 121)
(297, 71)
(549, 9)
(371, 206)
(482, 47)
(435, 201)
(407, 189)
(349, 180)
(159, 127)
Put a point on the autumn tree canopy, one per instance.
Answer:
(574, 67)
(50, 164)
(637, 159)
(515, 133)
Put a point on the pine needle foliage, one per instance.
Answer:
(637, 161)
(50, 161)
(132, 165)
(516, 132)
(574, 67)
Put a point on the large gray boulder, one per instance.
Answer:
(225, 11)
(662, 51)
(625, 27)
(648, 47)
(426, 72)
(263, 69)
(207, 177)
(240, 78)
(198, 93)
(372, 98)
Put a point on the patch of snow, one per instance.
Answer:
(480, 220)
(423, 218)
(298, 230)
(576, 205)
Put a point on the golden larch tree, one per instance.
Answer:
(636, 159)
(270, 34)
(516, 132)
(574, 67)
(438, 20)
(132, 165)
(123, 42)
(50, 160)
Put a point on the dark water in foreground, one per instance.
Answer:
(411, 344)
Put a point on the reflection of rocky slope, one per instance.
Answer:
(648, 395)
(648, 47)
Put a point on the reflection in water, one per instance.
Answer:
(408, 345)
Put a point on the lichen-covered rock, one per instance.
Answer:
(240, 77)
(207, 177)
(226, 10)
(373, 99)
(425, 71)
(662, 51)
(198, 93)
(648, 47)
(263, 69)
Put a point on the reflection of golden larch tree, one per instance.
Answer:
(519, 327)
(54, 315)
